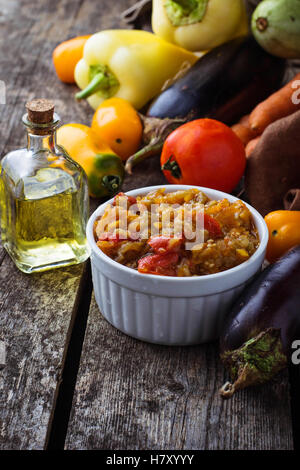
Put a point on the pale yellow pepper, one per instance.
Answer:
(129, 64)
(199, 25)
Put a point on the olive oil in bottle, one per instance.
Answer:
(43, 198)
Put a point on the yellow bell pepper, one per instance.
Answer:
(104, 169)
(199, 25)
(129, 64)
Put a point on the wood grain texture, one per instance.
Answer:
(36, 310)
(134, 395)
(35, 314)
(129, 394)
(2, 354)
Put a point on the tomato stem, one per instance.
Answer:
(172, 166)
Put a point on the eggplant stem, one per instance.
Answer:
(227, 390)
(155, 132)
(247, 376)
(255, 362)
(146, 152)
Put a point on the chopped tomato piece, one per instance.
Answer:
(130, 199)
(163, 264)
(212, 226)
(163, 244)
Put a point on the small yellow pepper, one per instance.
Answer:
(104, 169)
(129, 64)
(65, 57)
(118, 124)
(199, 25)
(284, 232)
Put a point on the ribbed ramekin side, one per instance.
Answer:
(162, 320)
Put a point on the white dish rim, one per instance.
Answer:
(211, 193)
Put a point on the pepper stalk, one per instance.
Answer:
(181, 12)
(102, 81)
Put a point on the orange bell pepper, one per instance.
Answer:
(284, 232)
(117, 123)
(65, 57)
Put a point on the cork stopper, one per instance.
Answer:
(40, 111)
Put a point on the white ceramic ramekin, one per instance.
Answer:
(169, 310)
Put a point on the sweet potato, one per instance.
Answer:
(251, 146)
(274, 166)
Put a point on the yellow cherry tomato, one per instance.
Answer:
(284, 233)
(65, 57)
(118, 124)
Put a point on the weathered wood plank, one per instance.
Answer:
(36, 311)
(134, 395)
(294, 375)
(2, 354)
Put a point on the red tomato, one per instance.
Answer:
(205, 153)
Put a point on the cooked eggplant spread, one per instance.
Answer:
(168, 239)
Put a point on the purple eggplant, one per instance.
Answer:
(225, 84)
(256, 341)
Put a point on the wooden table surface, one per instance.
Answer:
(71, 380)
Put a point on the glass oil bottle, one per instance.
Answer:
(43, 198)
